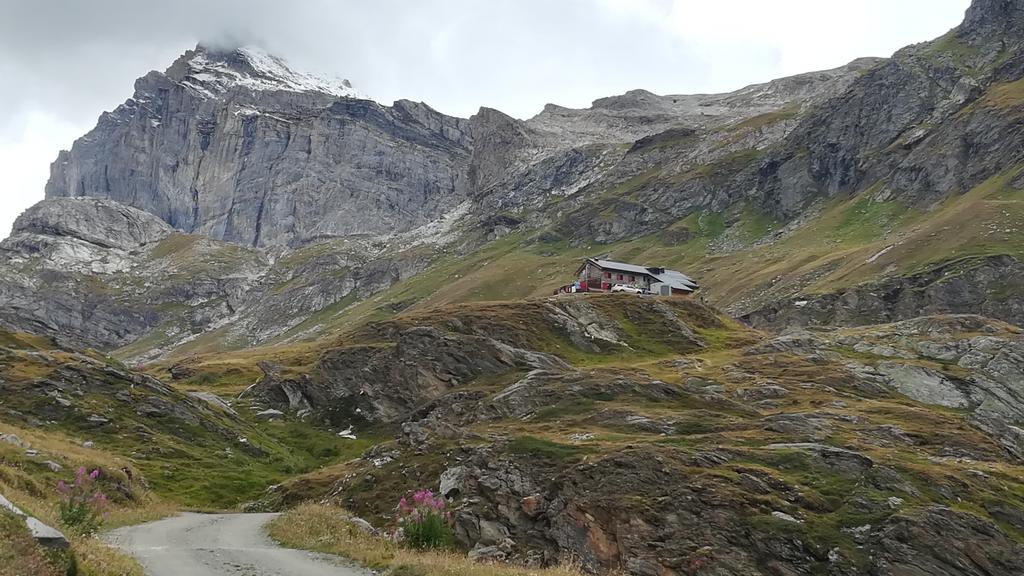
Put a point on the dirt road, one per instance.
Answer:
(221, 545)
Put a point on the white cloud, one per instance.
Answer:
(772, 39)
(25, 161)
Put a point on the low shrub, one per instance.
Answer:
(82, 506)
(424, 522)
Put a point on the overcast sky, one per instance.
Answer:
(62, 62)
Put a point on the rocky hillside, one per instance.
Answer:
(662, 438)
(96, 273)
(61, 408)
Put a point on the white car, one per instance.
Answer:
(628, 289)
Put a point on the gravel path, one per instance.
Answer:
(221, 545)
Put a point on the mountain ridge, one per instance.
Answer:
(191, 205)
(828, 179)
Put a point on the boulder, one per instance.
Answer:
(763, 392)
(270, 414)
(924, 385)
(45, 535)
(451, 481)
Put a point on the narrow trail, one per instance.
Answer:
(221, 545)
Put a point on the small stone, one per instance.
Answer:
(452, 480)
(214, 401)
(45, 535)
(53, 466)
(860, 534)
(270, 414)
(492, 532)
(531, 505)
(12, 439)
(786, 517)
(894, 502)
(765, 392)
(487, 554)
(362, 525)
(88, 444)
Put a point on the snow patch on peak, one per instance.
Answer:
(212, 73)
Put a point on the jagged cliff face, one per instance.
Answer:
(918, 125)
(238, 147)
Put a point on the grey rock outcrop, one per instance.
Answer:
(235, 145)
(383, 384)
(991, 286)
(95, 221)
(95, 273)
(937, 141)
(44, 534)
(223, 145)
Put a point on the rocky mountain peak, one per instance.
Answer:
(988, 11)
(214, 71)
(994, 15)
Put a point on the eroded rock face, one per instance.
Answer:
(923, 89)
(849, 451)
(95, 273)
(990, 390)
(103, 223)
(211, 148)
(387, 370)
(991, 286)
(384, 383)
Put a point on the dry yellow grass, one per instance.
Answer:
(323, 528)
(36, 496)
(94, 558)
(97, 559)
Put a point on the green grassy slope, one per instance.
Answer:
(742, 265)
(190, 452)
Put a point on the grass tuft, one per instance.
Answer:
(326, 529)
